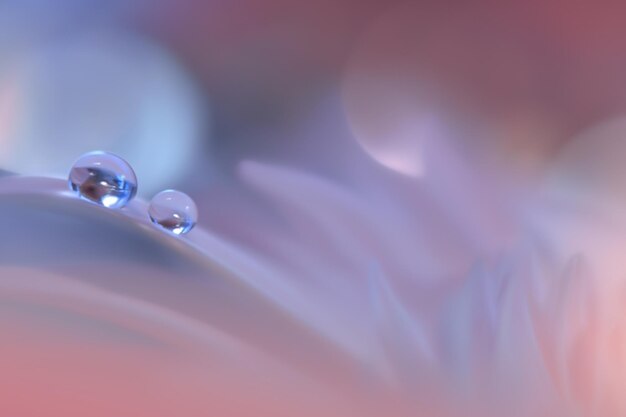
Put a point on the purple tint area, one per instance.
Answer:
(398, 208)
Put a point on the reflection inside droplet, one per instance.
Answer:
(174, 211)
(103, 178)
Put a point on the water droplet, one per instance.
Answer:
(174, 211)
(103, 178)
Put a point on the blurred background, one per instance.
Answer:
(185, 90)
(367, 167)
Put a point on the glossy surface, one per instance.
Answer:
(103, 178)
(173, 210)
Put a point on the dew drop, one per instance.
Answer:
(174, 211)
(103, 178)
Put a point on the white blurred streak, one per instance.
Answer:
(403, 114)
(390, 124)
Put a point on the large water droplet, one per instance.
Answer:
(103, 178)
(174, 211)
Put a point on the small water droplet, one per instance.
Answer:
(174, 211)
(103, 178)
